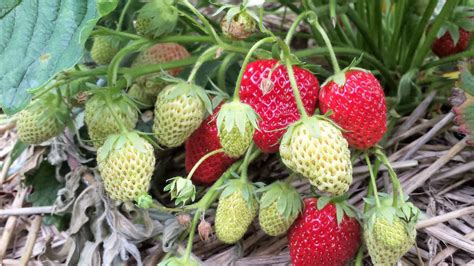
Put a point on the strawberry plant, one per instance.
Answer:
(175, 105)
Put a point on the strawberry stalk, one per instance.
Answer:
(122, 15)
(245, 165)
(203, 58)
(397, 189)
(294, 86)
(334, 62)
(210, 29)
(372, 180)
(203, 158)
(112, 72)
(236, 96)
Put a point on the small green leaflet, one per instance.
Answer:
(106, 6)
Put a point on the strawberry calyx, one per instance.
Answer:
(247, 189)
(59, 111)
(463, 102)
(181, 189)
(310, 124)
(405, 211)
(190, 90)
(341, 204)
(288, 200)
(461, 18)
(117, 141)
(236, 114)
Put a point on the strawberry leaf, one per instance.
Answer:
(46, 37)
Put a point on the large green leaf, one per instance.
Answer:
(7, 5)
(38, 39)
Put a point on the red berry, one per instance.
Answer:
(445, 46)
(315, 238)
(200, 143)
(358, 107)
(267, 89)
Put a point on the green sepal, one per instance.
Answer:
(406, 211)
(181, 189)
(341, 205)
(288, 200)
(117, 141)
(51, 107)
(191, 90)
(236, 114)
(175, 261)
(144, 201)
(247, 189)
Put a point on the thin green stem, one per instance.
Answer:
(370, 189)
(295, 24)
(448, 59)
(291, 75)
(334, 62)
(119, 121)
(372, 180)
(245, 63)
(206, 23)
(189, 246)
(245, 165)
(360, 255)
(122, 15)
(397, 188)
(106, 31)
(221, 73)
(203, 158)
(203, 58)
(114, 65)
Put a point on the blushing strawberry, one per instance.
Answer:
(357, 102)
(267, 89)
(445, 45)
(204, 140)
(316, 238)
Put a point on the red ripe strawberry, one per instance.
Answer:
(315, 238)
(200, 143)
(358, 107)
(267, 89)
(445, 46)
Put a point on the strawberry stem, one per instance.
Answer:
(372, 180)
(295, 24)
(245, 63)
(291, 75)
(122, 15)
(119, 121)
(112, 72)
(334, 62)
(203, 19)
(203, 158)
(189, 245)
(203, 58)
(397, 188)
(245, 165)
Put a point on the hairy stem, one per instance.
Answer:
(203, 158)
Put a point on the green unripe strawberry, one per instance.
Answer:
(388, 242)
(142, 98)
(175, 261)
(279, 207)
(236, 125)
(316, 149)
(99, 119)
(104, 49)
(156, 18)
(42, 119)
(235, 212)
(126, 163)
(389, 231)
(239, 26)
(179, 110)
